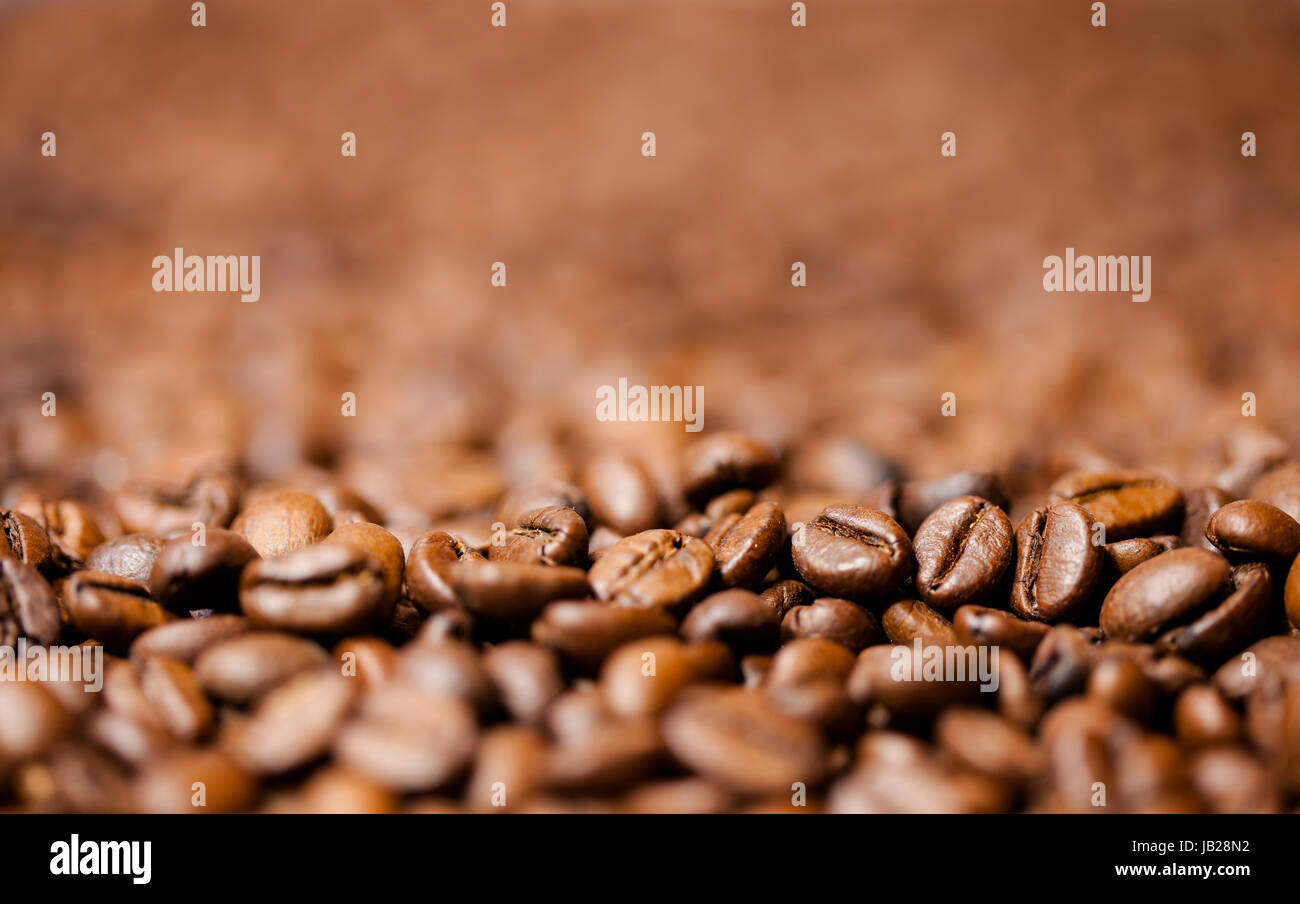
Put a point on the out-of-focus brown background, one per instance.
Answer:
(523, 145)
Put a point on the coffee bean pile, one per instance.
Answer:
(728, 640)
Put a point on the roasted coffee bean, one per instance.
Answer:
(1163, 592)
(556, 535)
(185, 638)
(1057, 562)
(1201, 504)
(643, 677)
(1250, 530)
(25, 540)
(622, 493)
(168, 785)
(1273, 660)
(31, 720)
(732, 502)
(543, 494)
(833, 619)
(72, 527)
(514, 592)
(509, 769)
(131, 556)
(1292, 595)
(745, 547)
(1230, 624)
(963, 548)
(1061, 664)
(208, 498)
(240, 669)
(740, 740)
(28, 607)
(890, 678)
(653, 569)
(185, 577)
(852, 552)
(810, 659)
(527, 677)
(294, 724)
(370, 660)
(408, 741)
(838, 464)
(110, 609)
(449, 669)
(327, 589)
(382, 547)
(725, 461)
(916, 499)
(738, 618)
(988, 744)
(1202, 718)
(1124, 555)
(823, 704)
(1280, 486)
(428, 570)
(162, 693)
(584, 633)
(980, 626)
(907, 620)
(1127, 503)
(1122, 685)
(785, 595)
(612, 755)
(1017, 701)
(283, 523)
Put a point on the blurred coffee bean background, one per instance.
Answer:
(522, 145)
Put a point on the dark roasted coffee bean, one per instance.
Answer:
(1124, 555)
(1268, 661)
(584, 633)
(653, 569)
(327, 589)
(1250, 530)
(168, 785)
(283, 523)
(1232, 622)
(72, 526)
(852, 552)
(241, 668)
(833, 619)
(1121, 684)
(745, 547)
(130, 557)
(1057, 562)
(643, 677)
(556, 535)
(725, 461)
(110, 609)
(185, 638)
(28, 607)
(25, 540)
(739, 739)
(1201, 504)
(1061, 663)
(916, 499)
(1280, 486)
(622, 493)
(384, 549)
(963, 549)
(980, 626)
(732, 502)
(887, 677)
(539, 495)
(527, 678)
(1163, 592)
(185, 577)
(738, 618)
(1202, 718)
(1127, 503)
(209, 498)
(514, 592)
(449, 669)
(785, 595)
(906, 620)
(407, 741)
(293, 724)
(428, 570)
(823, 704)
(810, 659)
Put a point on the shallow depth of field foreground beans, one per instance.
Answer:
(905, 529)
